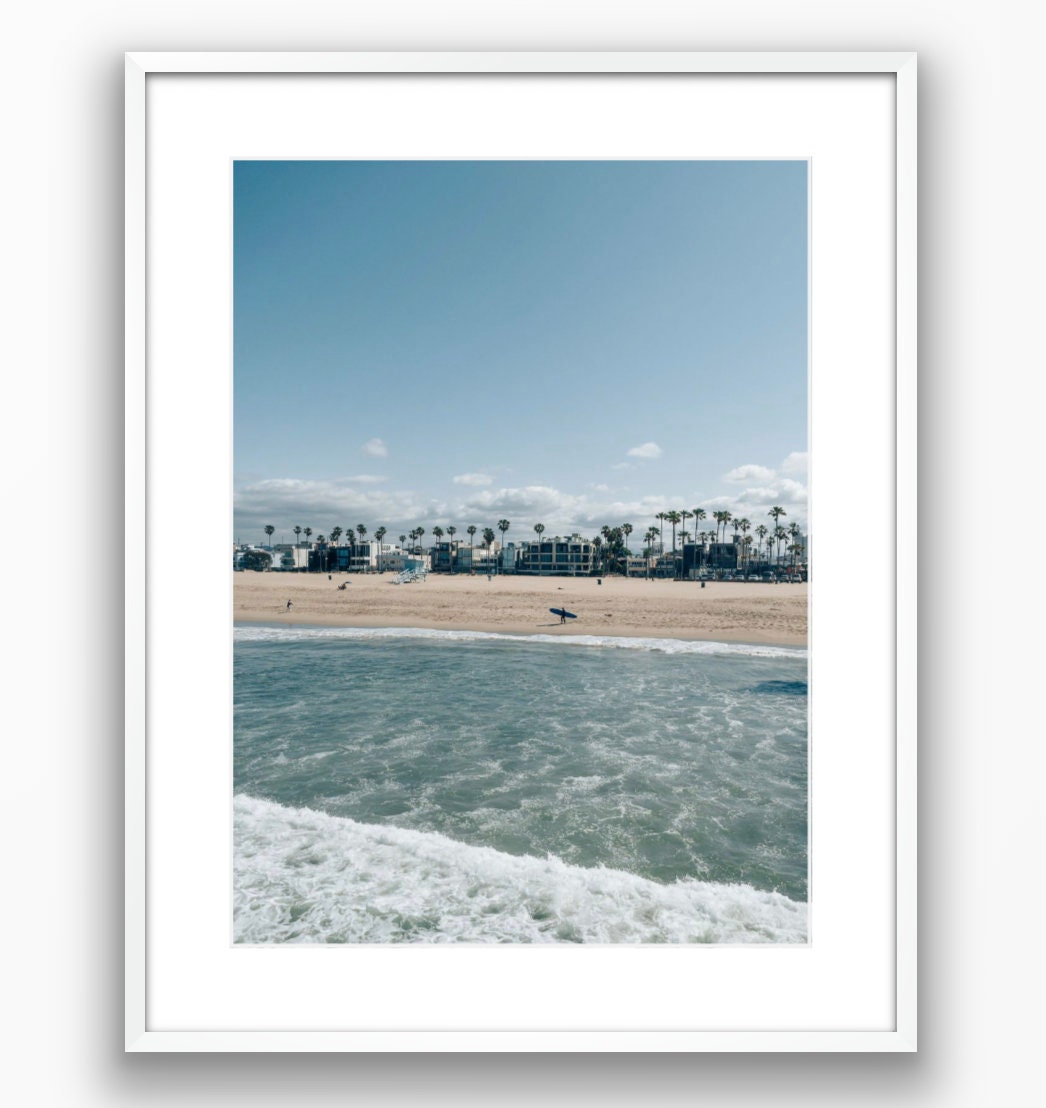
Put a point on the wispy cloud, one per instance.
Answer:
(475, 480)
(646, 450)
(750, 473)
(375, 448)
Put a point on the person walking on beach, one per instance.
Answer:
(289, 605)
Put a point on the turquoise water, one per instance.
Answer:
(435, 786)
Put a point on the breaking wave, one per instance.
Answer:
(302, 876)
(246, 633)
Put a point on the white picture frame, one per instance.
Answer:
(183, 95)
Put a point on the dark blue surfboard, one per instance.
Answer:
(562, 612)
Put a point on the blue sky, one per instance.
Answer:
(570, 343)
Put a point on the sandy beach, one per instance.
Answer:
(727, 611)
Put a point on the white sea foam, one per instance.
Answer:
(246, 632)
(306, 877)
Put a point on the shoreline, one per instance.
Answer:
(503, 629)
(729, 612)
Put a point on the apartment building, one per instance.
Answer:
(559, 557)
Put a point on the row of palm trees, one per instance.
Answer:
(742, 526)
(611, 544)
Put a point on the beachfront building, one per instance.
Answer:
(290, 556)
(249, 556)
(361, 556)
(557, 557)
(639, 567)
(462, 557)
(509, 553)
(695, 561)
(665, 566)
(709, 559)
(444, 557)
(724, 557)
(391, 559)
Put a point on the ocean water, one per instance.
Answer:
(428, 786)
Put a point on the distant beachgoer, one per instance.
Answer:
(289, 605)
(562, 615)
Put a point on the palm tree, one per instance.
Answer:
(379, 535)
(793, 534)
(780, 534)
(776, 511)
(726, 519)
(539, 530)
(335, 535)
(269, 531)
(626, 530)
(307, 531)
(503, 526)
(684, 515)
(451, 532)
(297, 533)
(744, 526)
(471, 530)
(437, 534)
(698, 515)
(736, 538)
(761, 532)
(673, 517)
(608, 546)
(420, 531)
(488, 539)
(597, 547)
(650, 536)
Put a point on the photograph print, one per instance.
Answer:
(521, 552)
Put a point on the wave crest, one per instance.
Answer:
(306, 877)
(245, 633)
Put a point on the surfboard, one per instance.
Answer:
(562, 612)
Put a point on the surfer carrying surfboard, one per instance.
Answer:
(562, 617)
